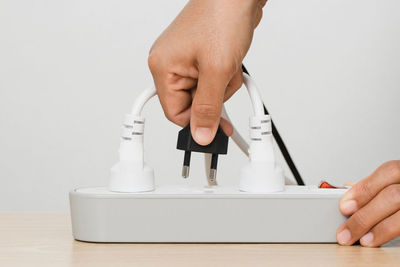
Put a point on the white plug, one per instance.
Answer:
(130, 173)
(261, 174)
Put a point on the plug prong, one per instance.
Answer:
(185, 171)
(212, 176)
(186, 164)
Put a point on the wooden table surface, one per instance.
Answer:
(45, 239)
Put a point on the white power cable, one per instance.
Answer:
(130, 173)
(142, 99)
(254, 95)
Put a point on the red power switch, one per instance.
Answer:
(324, 184)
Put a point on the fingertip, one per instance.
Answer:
(202, 135)
(343, 236)
(348, 207)
(344, 206)
(367, 240)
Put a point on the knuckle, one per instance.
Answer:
(207, 111)
(392, 168)
(153, 59)
(364, 189)
(174, 114)
(222, 67)
(236, 83)
(390, 229)
(178, 120)
(360, 222)
(392, 194)
(169, 116)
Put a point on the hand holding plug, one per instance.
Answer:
(203, 49)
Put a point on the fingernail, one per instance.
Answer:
(344, 237)
(203, 136)
(367, 239)
(349, 206)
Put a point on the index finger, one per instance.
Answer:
(365, 190)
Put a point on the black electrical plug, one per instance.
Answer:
(218, 146)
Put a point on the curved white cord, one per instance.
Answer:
(142, 99)
(254, 95)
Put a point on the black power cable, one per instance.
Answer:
(281, 145)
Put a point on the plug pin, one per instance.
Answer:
(185, 171)
(186, 164)
(212, 175)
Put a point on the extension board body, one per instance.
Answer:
(303, 214)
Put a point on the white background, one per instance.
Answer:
(329, 72)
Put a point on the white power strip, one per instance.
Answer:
(303, 214)
(132, 209)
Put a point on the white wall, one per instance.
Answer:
(69, 71)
